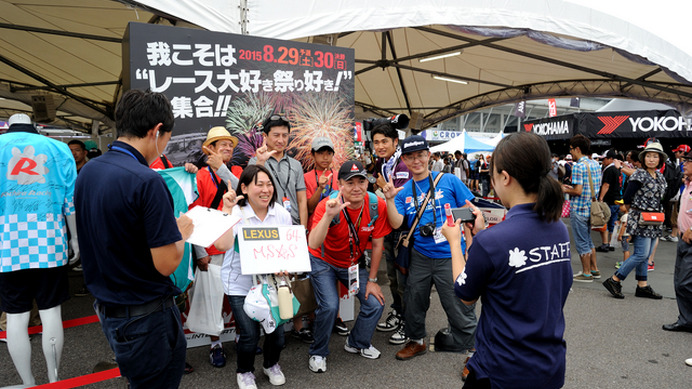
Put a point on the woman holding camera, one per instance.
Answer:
(521, 269)
(255, 203)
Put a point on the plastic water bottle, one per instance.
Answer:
(285, 300)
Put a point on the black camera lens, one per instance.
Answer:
(427, 230)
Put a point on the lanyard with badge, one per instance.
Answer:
(429, 229)
(285, 201)
(354, 248)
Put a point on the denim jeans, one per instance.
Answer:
(248, 332)
(149, 349)
(614, 213)
(324, 277)
(582, 233)
(643, 247)
(423, 273)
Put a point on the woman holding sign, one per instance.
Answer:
(254, 202)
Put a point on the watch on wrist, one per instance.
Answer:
(372, 280)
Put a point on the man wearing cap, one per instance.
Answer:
(286, 171)
(212, 184)
(581, 191)
(341, 227)
(390, 167)
(682, 277)
(610, 193)
(38, 177)
(430, 262)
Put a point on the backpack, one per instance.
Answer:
(673, 177)
(374, 210)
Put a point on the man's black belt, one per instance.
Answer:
(139, 310)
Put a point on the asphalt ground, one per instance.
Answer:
(610, 344)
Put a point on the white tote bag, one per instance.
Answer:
(207, 300)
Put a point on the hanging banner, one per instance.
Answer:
(633, 124)
(237, 81)
(440, 135)
(560, 127)
(609, 125)
(552, 108)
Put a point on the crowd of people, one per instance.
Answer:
(354, 218)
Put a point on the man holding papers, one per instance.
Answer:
(131, 242)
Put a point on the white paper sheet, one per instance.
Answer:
(210, 224)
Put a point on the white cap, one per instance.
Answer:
(19, 118)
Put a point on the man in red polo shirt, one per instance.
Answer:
(212, 183)
(341, 227)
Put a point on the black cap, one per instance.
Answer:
(610, 154)
(688, 155)
(350, 169)
(414, 143)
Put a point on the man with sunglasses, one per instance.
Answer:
(430, 261)
(286, 171)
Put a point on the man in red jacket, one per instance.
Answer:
(212, 184)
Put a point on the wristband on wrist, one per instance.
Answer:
(372, 280)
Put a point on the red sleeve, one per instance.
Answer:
(236, 171)
(382, 227)
(310, 185)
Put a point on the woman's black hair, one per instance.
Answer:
(249, 175)
(526, 157)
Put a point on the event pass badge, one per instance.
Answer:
(353, 281)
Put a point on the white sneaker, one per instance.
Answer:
(673, 239)
(391, 323)
(317, 364)
(246, 380)
(370, 352)
(399, 336)
(276, 377)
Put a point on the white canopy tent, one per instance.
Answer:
(464, 143)
(508, 51)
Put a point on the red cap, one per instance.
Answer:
(683, 148)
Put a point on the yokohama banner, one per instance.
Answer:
(608, 125)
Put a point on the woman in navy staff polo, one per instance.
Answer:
(521, 270)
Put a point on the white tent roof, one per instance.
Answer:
(464, 143)
(518, 50)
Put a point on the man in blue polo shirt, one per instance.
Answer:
(430, 262)
(131, 242)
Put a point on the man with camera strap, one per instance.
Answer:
(430, 262)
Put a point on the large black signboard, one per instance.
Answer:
(559, 127)
(219, 79)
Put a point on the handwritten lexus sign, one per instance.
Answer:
(268, 250)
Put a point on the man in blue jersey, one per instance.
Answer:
(430, 261)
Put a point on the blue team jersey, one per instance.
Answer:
(36, 193)
(450, 190)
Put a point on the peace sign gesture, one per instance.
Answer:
(389, 190)
(214, 159)
(323, 180)
(262, 154)
(334, 206)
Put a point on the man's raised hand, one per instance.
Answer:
(389, 190)
(214, 159)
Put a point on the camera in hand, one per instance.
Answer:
(427, 230)
(464, 214)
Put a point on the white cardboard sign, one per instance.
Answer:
(268, 250)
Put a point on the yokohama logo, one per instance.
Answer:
(528, 127)
(611, 123)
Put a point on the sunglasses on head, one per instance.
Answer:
(278, 117)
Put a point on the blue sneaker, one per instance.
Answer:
(217, 358)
